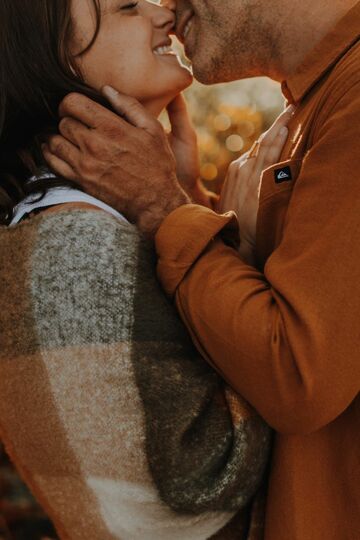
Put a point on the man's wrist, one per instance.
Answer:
(201, 195)
(152, 217)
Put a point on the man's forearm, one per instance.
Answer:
(257, 330)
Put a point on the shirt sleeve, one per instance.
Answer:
(286, 339)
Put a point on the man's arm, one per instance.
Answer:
(124, 159)
(286, 339)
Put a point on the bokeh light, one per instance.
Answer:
(209, 171)
(234, 143)
(228, 118)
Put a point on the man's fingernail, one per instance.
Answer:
(109, 91)
(284, 131)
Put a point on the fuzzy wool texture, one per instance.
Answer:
(117, 425)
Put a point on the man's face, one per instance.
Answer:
(227, 39)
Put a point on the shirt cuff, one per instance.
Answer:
(182, 238)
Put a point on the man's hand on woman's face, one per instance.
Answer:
(126, 162)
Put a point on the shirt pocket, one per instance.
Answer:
(277, 184)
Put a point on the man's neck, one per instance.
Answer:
(298, 40)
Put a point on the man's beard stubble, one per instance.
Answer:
(223, 53)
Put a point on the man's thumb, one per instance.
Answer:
(128, 108)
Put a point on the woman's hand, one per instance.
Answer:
(183, 142)
(240, 192)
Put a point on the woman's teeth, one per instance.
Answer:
(163, 50)
(187, 28)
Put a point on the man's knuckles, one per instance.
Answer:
(71, 103)
(64, 126)
(88, 169)
(154, 130)
(58, 145)
(94, 146)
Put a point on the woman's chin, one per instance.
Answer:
(156, 105)
(184, 75)
(187, 74)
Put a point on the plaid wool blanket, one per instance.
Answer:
(116, 424)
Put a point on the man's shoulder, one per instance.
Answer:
(350, 62)
(338, 95)
(345, 75)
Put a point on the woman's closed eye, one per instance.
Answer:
(128, 6)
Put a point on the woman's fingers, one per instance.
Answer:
(274, 151)
(282, 120)
(272, 141)
(229, 193)
(180, 122)
(62, 168)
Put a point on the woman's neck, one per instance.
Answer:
(156, 107)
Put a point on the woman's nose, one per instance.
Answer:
(162, 15)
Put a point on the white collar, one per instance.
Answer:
(57, 195)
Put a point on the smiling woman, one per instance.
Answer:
(132, 51)
(117, 425)
(115, 42)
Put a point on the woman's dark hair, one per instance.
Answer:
(36, 72)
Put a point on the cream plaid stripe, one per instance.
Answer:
(118, 426)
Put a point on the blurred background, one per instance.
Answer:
(228, 119)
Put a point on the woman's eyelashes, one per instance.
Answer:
(128, 6)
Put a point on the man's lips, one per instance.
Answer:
(181, 25)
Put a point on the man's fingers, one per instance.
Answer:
(181, 126)
(63, 149)
(73, 131)
(131, 110)
(58, 165)
(86, 111)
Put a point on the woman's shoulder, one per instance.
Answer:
(79, 265)
(81, 229)
(80, 268)
(84, 224)
(87, 245)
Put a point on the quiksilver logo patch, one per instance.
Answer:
(282, 175)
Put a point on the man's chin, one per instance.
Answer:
(205, 74)
(216, 72)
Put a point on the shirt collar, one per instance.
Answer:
(323, 56)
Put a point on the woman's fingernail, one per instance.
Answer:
(109, 91)
(284, 131)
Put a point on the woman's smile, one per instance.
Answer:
(132, 51)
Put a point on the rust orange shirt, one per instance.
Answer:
(286, 334)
